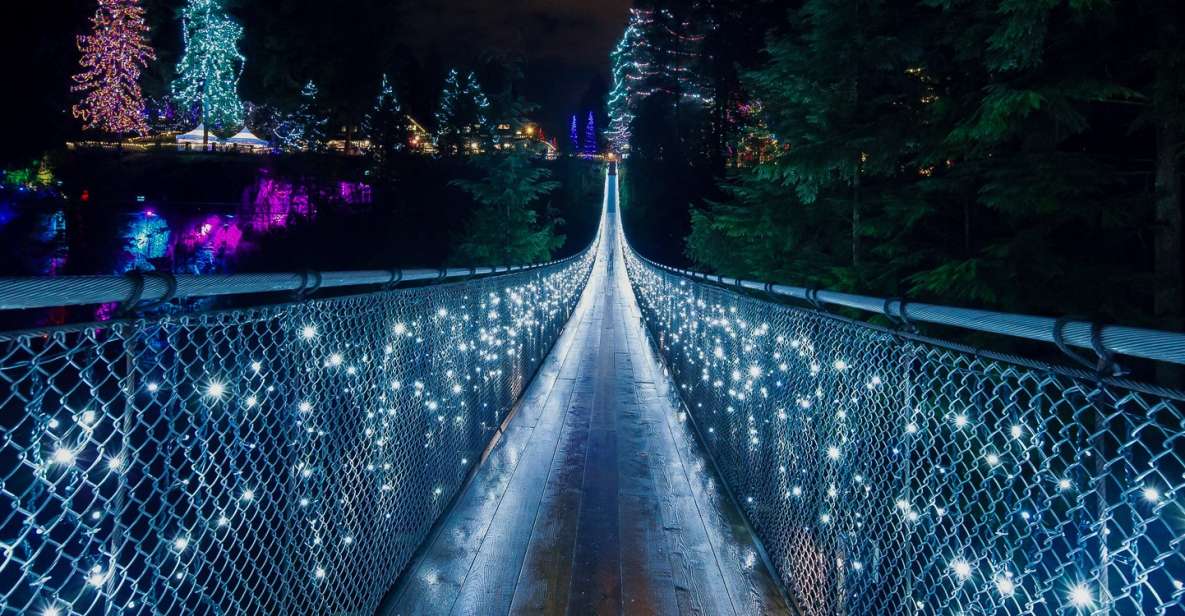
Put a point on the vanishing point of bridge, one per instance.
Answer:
(598, 435)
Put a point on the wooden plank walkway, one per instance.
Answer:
(597, 498)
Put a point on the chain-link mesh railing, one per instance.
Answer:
(275, 460)
(889, 474)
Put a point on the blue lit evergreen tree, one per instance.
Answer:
(590, 135)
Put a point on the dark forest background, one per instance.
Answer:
(1024, 156)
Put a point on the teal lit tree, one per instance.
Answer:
(304, 129)
(461, 120)
(208, 73)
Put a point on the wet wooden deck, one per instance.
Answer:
(597, 498)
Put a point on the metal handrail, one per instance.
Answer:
(44, 291)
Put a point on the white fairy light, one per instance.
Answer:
(215, 389)
(180, 543)
(1151, 494)
(1016, 431)
(841, 365)
(308, 332)
(1005, 586)
(961, 568)
(88, 418)
(1080, 595)
(833, 452)
(63, 456)
(304, 406)
(256, 367)
(115, 463)
(96, 577)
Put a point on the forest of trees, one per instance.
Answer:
(1017, 155)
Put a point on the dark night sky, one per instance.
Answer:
(566, 42)
(565, 45)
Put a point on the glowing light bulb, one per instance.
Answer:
(88, 418)
(1080, 596)
(841, 365)
(1016, 431)
(833, 452)
(992, 459)
(215, 389)
(308, 332)
(304, 406)
(115, 463)
(63, 456)
(1151, 494)
(180, 543)
(1005, 586)
(1063, 484)
(961, 568)
(319, 573)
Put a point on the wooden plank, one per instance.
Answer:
(435, 579)
(647, 583)
(489, 587)
(596, 559)
(748, 583)
(546, 573)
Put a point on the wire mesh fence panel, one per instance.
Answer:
(891, 475)
(277, 460)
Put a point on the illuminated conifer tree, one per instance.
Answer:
(461, 119)
(590, 135)
(113, 55)
(208, 74)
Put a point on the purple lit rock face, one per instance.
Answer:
(273, 203)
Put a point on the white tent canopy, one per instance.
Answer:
(196, 135)
(247, 138)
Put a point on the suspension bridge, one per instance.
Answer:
(598, 435)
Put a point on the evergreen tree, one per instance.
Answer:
(208, 73)
(113, 55)
(946, 150)
(574, 135)
(304, 129)
(461, 117)
(386, 127)
(504, 229)
(590, 135)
